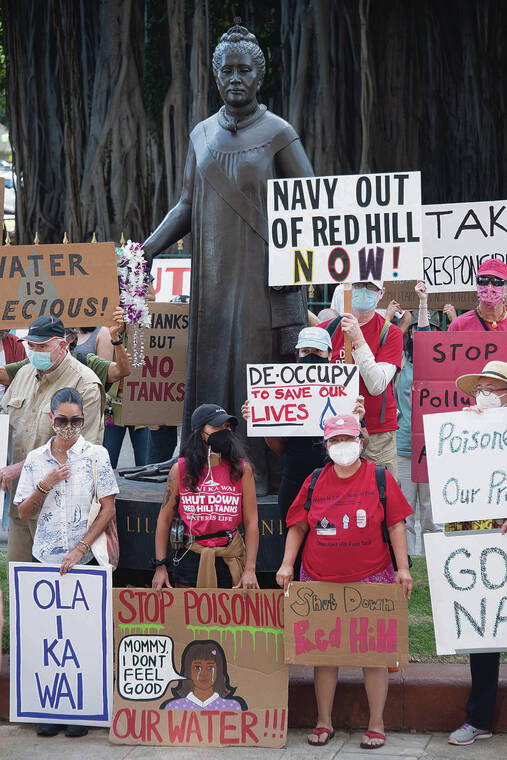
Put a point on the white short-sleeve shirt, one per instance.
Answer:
(63, 518)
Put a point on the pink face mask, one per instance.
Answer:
(491, 295)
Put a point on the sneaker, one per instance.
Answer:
(467, 734)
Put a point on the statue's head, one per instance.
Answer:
(239, 66)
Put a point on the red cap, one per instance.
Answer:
(495, 267)
(343, 424)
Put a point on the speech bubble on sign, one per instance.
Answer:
(146, 666)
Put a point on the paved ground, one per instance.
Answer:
(19, 742)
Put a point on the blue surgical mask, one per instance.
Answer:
(41, 360)
(364, 299)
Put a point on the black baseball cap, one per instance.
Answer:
(45, 328)
(210, 414)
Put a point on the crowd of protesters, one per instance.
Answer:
(62, 390)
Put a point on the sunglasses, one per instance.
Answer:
(74, 421)
(484, 279)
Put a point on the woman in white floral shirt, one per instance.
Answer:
(57, 484)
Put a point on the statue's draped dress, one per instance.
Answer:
(231, 320)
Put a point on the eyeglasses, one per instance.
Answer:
(485, 279)
(60, 420)
(367, 285)
(487, 391)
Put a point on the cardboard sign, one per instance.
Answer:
(468, 587)
(76, 283)
(160, 383)
(404, 293)
(4, 440)
(467, 464)
(199, 667)
(172, 278)
(457, 238)
(439, 358)
(344, 229)
(60, 644)
(363, 624)
(298, 399)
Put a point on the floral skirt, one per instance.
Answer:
(383, 576)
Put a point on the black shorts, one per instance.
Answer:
(185, 572)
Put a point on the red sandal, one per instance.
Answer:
(373, 735)
(318, 732)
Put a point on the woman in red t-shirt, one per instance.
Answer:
(344, 542)
(213, 485)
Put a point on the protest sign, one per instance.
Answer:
(4, 440)
(160, 382)
(363, 624)
(61, 644)
(467, 464)
(457, 238)
(220, 651)
(76, 283)
(404, 293)
(298, 399)
(468, 583)
(344, 229)
(171, 278)
(440, 358)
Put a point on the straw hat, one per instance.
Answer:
(496, 370)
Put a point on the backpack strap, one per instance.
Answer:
(380, 477)
(315, 477)
(332, 327)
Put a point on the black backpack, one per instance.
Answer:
(380, 477)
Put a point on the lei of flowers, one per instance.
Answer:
(133, 270)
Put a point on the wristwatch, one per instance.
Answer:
(117, 342)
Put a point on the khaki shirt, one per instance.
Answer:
(27, 402)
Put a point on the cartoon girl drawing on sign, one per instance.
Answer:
(206, 686)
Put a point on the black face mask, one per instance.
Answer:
(221, 442)
(313, 359)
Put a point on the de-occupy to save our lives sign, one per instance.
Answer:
(345, 228)
(298, 399)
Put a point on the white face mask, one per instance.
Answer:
(491, 401)
(344, 453)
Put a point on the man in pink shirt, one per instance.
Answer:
(491, 313)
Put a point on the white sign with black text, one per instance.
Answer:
(467, 464)
(298, 399)
(457, 238)
(468, 586)
(345, 228)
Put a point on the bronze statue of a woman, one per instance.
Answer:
(235, 318)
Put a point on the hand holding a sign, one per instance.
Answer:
(352, 329)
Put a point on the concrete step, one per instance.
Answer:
(424, 697)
